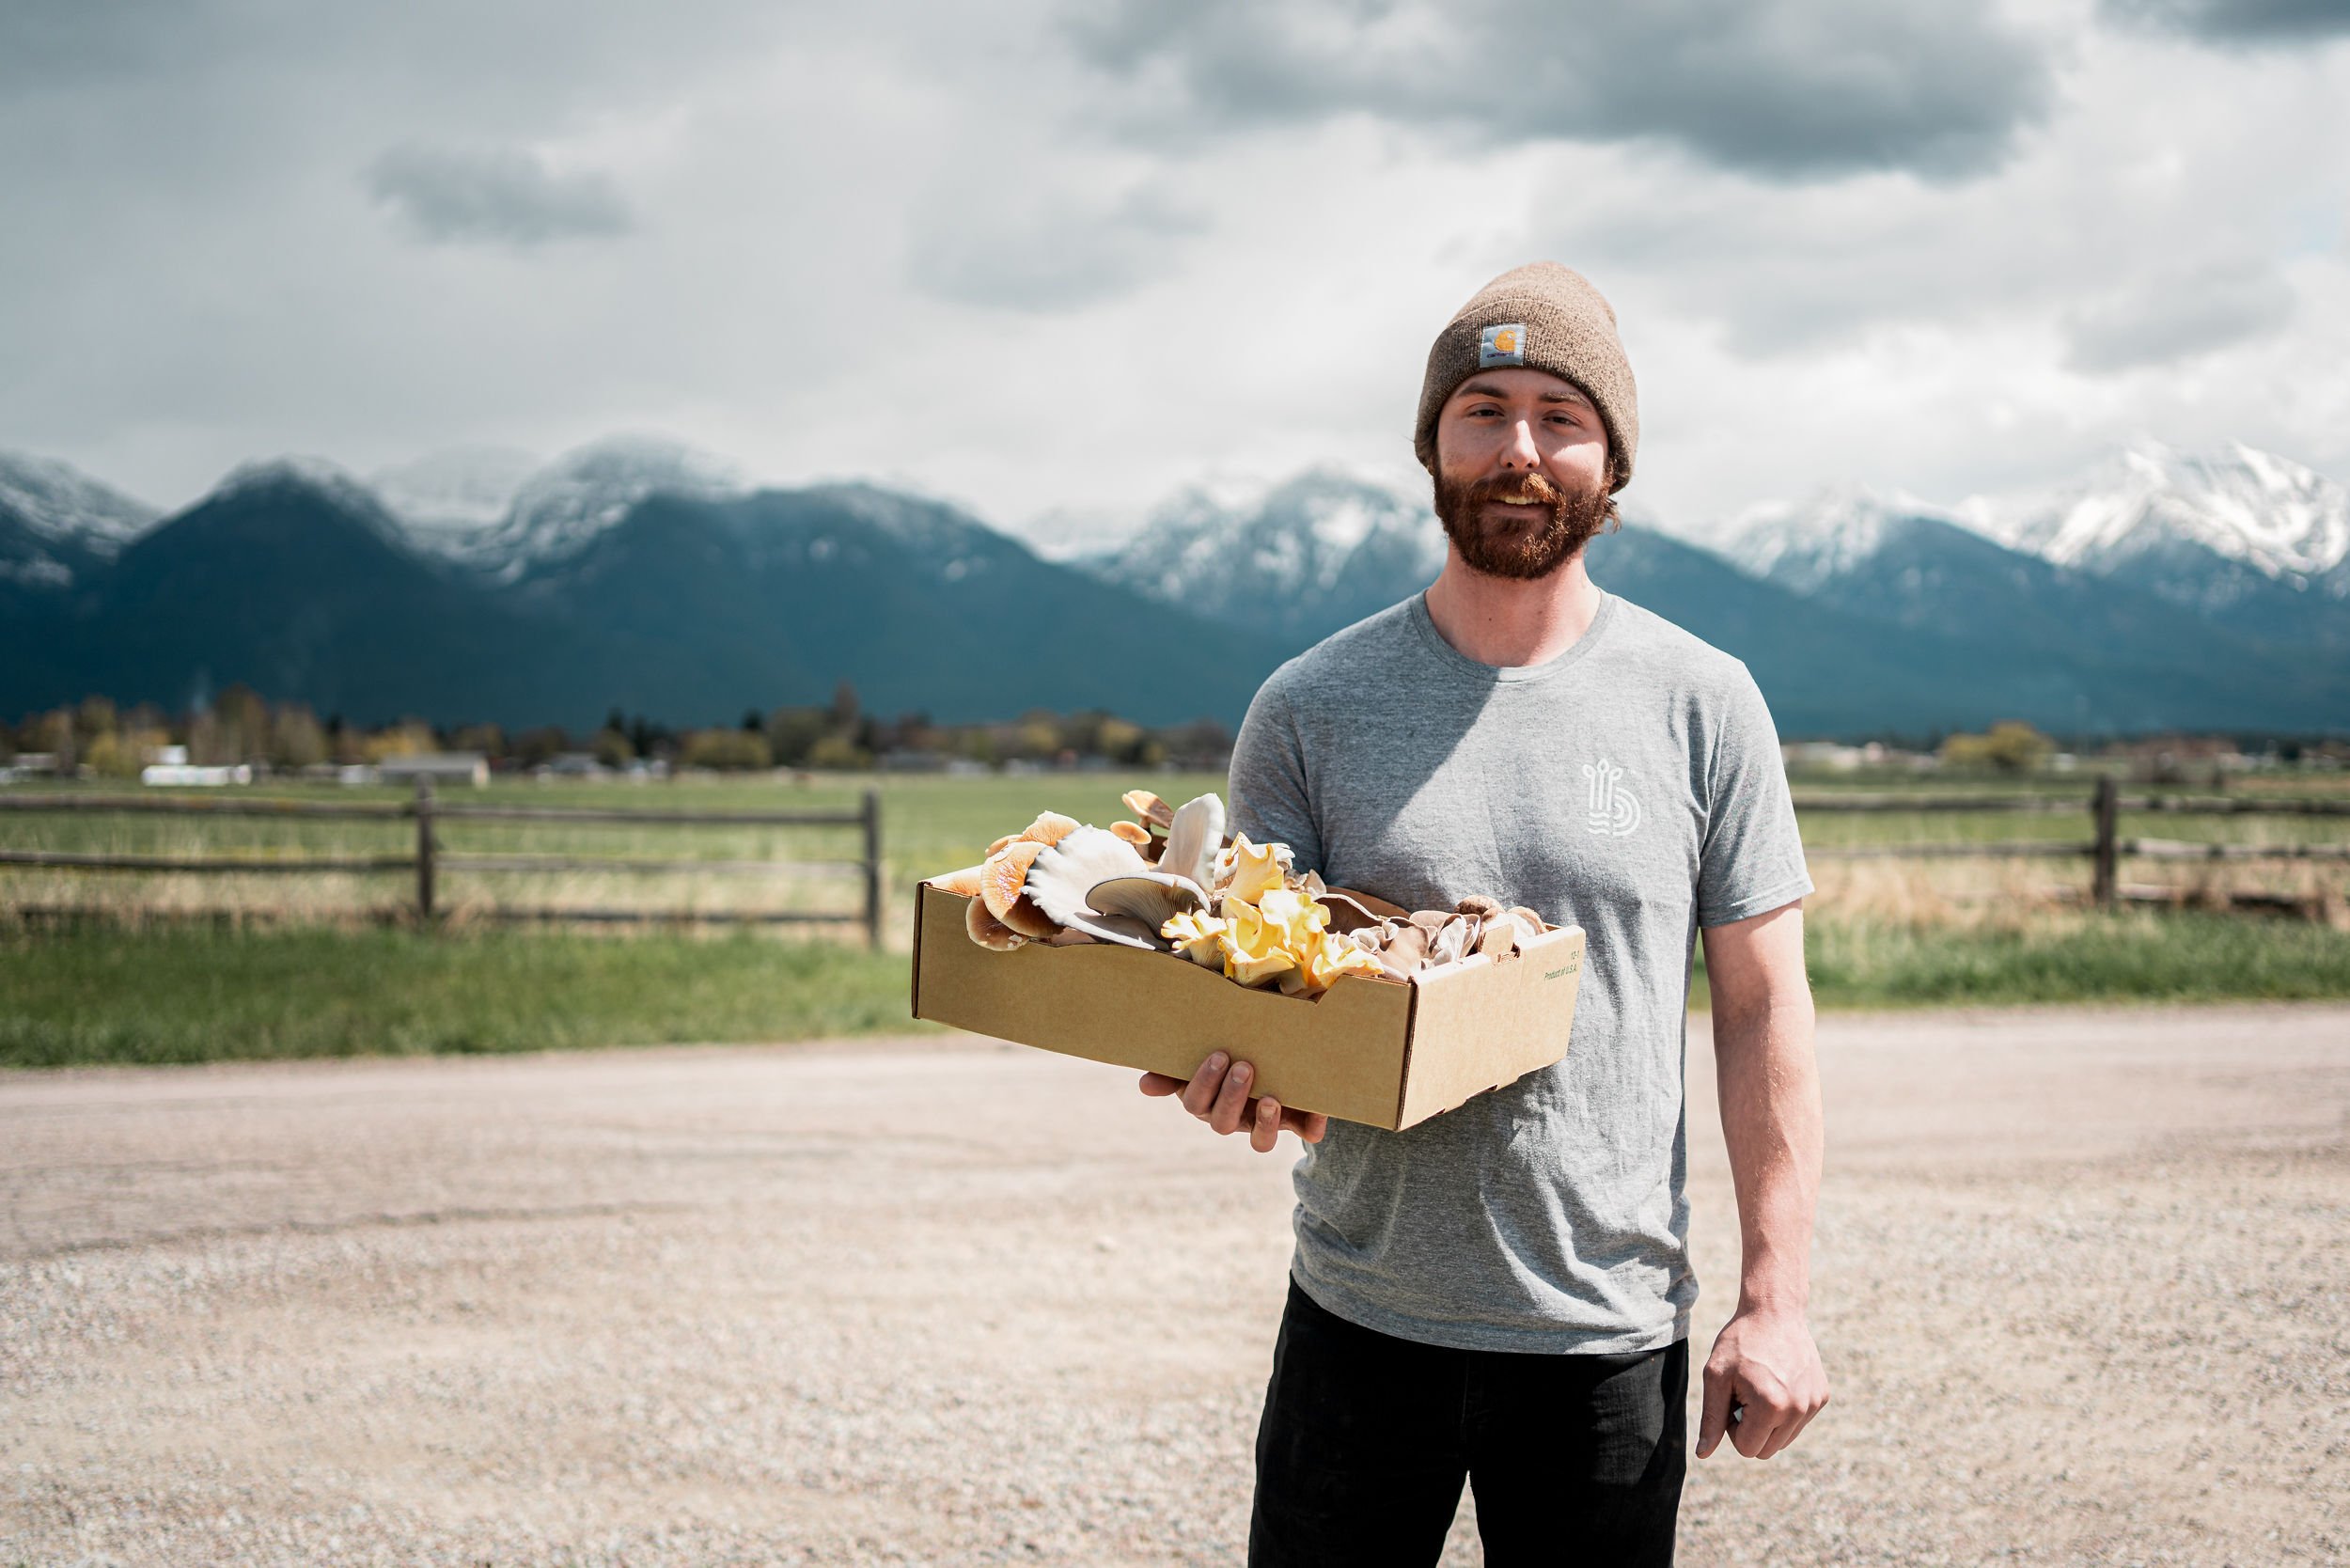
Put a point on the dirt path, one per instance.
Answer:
(2083, 1279)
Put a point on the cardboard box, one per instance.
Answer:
(1373, 1049)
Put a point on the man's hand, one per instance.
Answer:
(1764, 1362)
(1217, 1094)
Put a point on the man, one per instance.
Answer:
(1503, 1293)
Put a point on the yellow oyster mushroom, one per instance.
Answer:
(1256, 871)
(1196, 936)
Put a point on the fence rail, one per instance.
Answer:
(2105, 848)
(429, 858)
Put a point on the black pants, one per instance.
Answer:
(1365, 1438)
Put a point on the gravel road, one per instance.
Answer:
(2082, 1281)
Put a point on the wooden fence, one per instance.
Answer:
(429, 858)
(2105, 847)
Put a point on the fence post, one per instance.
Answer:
(424, 851)
(872, 870)
(2103, 813)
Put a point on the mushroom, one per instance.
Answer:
(1479, 905)
(1134, 833)
(1150, 807)
(989, 931)
(1060, 881)
(1193, 837)
(1003, 882)
(965, 882)
(1154, 897)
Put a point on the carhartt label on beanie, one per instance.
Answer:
(1545, 317)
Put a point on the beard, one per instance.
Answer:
(1528, 550)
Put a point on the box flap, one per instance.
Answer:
(1478, 1025)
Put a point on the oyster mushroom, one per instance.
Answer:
(1154, 897)
(1134, 833)
(965, 882)
(1194, 838)
(1003, 886)
(1060, 881)
(1153, 811)
(1479, 905)
(989, 931)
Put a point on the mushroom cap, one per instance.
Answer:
(1061, 879)
(1479, 904)
(1149, 807)
(1193, 839)
(989, 931)
(1152, 897)
(1134, 833)
(1535, 925)
(1003, 886)
(966, 882)
(1051, 828)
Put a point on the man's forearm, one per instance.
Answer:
(1770, 1122)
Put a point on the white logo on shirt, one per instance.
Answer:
(1614, 808)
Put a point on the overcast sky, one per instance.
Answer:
(1047, 257)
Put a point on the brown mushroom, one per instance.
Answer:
(1150, 808)
(989, 931)
(965, 882)
(1001, 883)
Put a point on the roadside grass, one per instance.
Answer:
(91, 994)
(2131, 956)
(87, 993)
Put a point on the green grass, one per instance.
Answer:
(2135, 956)
(95, 995)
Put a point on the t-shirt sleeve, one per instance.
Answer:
(1269, 798)
(1751, 860)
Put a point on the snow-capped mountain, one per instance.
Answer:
(1805, 545)
(2212, 530)
(449, 499)
(55, 521)
(581, 493)
(1304, 556)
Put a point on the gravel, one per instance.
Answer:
(2081, 1282)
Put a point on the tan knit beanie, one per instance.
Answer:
(1545, 317)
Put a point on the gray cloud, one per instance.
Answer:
(1781, 91)
(499, 195)
(2173, 315)
(1051, 252)
(2236, 21)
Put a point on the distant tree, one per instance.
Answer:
(839, 752)
(732, 750)
(295, 738)
(488, 739)
(844, 708)
(614, 721)
(612, 749)
(2011, 746)
(534, 746)
(94, 718)
(792, 733)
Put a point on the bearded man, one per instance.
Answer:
(1502, 1293)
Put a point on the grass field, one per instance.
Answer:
(130, 983)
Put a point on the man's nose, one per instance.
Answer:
(1520, 455)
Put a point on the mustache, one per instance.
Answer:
(1515, 490)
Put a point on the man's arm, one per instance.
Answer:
(1764, 1359)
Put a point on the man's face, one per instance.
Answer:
(1522, 472)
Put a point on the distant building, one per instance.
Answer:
(442, 767)
(182, 772)
(571, 764)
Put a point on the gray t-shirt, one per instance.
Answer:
(1631, 786)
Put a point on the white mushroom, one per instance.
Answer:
(1193, 839)
(1064, 877)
